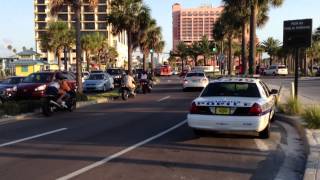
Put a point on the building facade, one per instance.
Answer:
(92, 20)
(192, 24)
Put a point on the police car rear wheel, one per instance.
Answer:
(265, 134)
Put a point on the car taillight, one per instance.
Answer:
(194, 109)
(185, 81)
(255, 110)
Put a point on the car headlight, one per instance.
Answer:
(41, 88)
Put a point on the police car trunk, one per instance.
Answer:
(232, 104)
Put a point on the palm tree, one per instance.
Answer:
(195, 52)
(9, 47)
(130, 16)
(271, 46)
(256, 7)
(205, 47)
(57, 38)
(144, 43)
(155, 44)
(159, 47)
(182, 52)
(56, 6)
(87, 45)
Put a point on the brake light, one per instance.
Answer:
(255, 110)
(194, 109)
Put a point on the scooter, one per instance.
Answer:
(145, 86)
(126, 93)
(50, 104)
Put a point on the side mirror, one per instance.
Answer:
(274, 91)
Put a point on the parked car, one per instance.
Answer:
(98, 82)
(276, 70)
(34, 86)
(117, 74)
(8, 88)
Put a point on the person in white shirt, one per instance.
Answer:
(130, 82)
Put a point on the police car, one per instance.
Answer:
(234, 104)
(195, 79)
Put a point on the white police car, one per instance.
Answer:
(234, 104)
(195, 80)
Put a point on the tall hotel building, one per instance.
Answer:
(192, 24)
(92, 20)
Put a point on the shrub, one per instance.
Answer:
(13, 108)
(312, 117)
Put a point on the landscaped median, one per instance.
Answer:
(306, 119)
(16, 110)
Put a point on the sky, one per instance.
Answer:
(17, 19)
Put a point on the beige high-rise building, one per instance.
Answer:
(92, 20)
(191, 24)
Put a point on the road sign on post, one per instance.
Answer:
(297, 34)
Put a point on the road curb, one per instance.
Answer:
(311, 140)
(81, 104)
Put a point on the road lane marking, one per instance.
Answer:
(107, 159)
(32, 137)
(163, 99)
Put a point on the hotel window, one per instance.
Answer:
(63, 17)
(42, 25)
(102, 9)
(41, 17)
(40, 1)
(89, 17)
(64, 8)
(88, 9)
(89, 26)
(102, 1)
(102, 17)
(41, 8)
(102, 26)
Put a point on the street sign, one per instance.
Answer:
(297, 33)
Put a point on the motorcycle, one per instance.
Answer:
(126, 93)
(50, 104)
(145, 86)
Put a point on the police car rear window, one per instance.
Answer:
(233, 89)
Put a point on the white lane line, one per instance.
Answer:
(163, 99)
(107, 159)
(32, 137)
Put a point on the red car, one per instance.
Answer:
(34, 86)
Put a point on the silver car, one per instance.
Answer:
(98, 82)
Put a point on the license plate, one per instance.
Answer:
(223, 111)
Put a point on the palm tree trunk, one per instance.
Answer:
(182, 65)
(59, 60)
(88, 61)
(130, 50)
(77, 10)
(152, 64)
(65, 51)
(244, 48)
(144, 61)
(230, 64)
(196, 60)
(253, 27)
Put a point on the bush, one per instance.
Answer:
(82, 97)
(312, 117)
(13, 108)
(291, 107)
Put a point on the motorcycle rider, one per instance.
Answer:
(64, 88)
(129, 82)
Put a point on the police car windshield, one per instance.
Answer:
(233, 89)
(195, 75)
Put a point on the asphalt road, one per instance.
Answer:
(309, 88)
(144, 138)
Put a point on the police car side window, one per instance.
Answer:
(265, 89)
